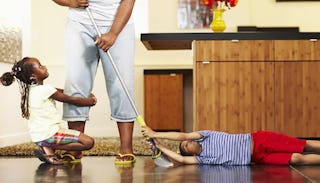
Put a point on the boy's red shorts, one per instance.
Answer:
(275, 148)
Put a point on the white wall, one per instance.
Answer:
(13, 127)
(47, 40)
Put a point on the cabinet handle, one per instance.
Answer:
(235, 40)
(173, 74)
(205, 62)
(313, 40)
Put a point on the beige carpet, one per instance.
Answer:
(103, 147)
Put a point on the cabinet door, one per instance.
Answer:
(234, 50)
(164, 101)
(297, 93)
(297, 50)
(236, 97)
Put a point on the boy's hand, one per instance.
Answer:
(156, 142)
(147, 132)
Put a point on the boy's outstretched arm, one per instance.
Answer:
(179, 136)
(175, 156)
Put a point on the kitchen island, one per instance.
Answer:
(248, 81)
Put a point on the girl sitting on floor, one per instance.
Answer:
(38, 107)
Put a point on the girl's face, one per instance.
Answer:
(40, 72)
(190, 147)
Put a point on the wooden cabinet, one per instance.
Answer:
(297, 87)
(234, 96)
(244, 86)
(233, 50)
(233, 85)
(297, 50)
(164, 101)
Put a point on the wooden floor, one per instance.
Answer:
(102, 169)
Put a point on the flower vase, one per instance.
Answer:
(218, 24)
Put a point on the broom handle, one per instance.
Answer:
(138, 116)
(156, 152)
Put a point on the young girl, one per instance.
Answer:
(220, 148)
(38, 107)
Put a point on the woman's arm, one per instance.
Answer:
(72, 3)
(123, 15)
(78, 101)
(179, 136)
(175, 156)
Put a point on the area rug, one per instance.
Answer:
(104, 146)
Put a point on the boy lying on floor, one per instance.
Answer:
(220, 148)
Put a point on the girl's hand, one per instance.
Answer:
(147, 132)
(94, 99)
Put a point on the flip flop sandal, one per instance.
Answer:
(50, 159)
(69, 158)
(125, 159)
(41, 158)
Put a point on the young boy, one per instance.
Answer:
(220, 148)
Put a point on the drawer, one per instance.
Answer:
(297, 50)
(234, 50)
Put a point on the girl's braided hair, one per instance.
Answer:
(22, 71)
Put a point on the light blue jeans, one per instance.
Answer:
(82, 59)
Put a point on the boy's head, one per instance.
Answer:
(190, 148)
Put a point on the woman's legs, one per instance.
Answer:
(121, 109)
(81, 66)
(125, 131)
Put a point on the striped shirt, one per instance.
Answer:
(222, 148)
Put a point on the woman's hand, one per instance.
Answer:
(106, 41)
(78, 3)
(73, 3)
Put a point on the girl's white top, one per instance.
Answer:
(44, 120)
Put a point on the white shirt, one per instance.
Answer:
(103, 12)
(44, 120)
